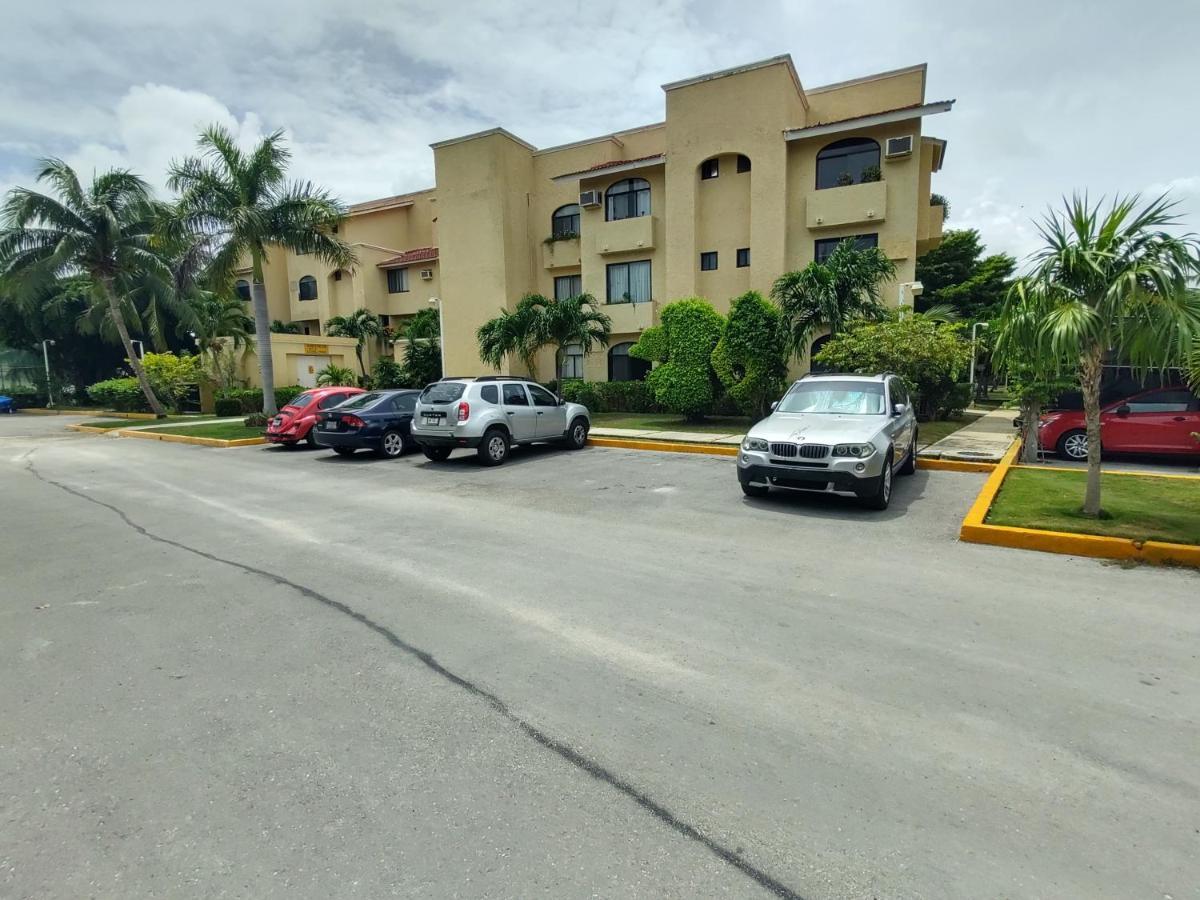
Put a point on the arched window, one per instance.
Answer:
(710, 168)
(572, 362)
(816, 348)
(242, 288)
(743, 163)
(851, 161)
(308, 288)
(565, 221)
(623, 367)
(627, 199)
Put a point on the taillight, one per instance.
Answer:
(464, 411)
(353, 421)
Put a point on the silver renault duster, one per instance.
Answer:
(846, 434)
(492, 413)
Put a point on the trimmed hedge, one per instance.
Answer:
(121, 394)
(611, 396)
(225, 407)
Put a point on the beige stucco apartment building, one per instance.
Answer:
(750, 175)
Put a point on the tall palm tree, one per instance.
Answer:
(573, 320)
(1115, 281)
(243, 203)
(830, 295)
(98, 240)
(215, 317)
(360, 325)
(513, 333)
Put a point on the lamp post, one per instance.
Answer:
(974, 332)
(436, 301)
(46, 359)
(909, 290)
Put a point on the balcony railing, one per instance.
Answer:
(847, 205)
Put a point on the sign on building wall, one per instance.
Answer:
(316, 348)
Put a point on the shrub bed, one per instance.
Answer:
(121, 394)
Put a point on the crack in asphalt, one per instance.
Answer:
(572, 756)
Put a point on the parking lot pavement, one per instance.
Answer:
(263, 672)
(1150, 465)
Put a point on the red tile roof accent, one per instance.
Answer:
(878, 112)
(622, 162)
(420, 254)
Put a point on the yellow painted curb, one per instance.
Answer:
(666, 446)
(954, 465)
(974, 530)
(186, 439)
(1111, 472)
(87, 429)
(94, 413)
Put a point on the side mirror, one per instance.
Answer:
(1123, 410)
(562, 402)
(898, 409)
(774, 403)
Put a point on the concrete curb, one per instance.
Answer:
(954, 465)
(187, 439)
(974, 530)
(87, 429)
(665, 446)
(94, 413)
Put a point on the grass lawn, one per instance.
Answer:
(141, 423)
(226, 431)
(671, 422)
(1137, 507)
(931, 432)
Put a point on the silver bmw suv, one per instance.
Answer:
(492, 413)
(838, 433)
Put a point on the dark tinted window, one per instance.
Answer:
(710, 168)
(708, 261)
(362, 401)
(397, 281)
(404, 403)
(899, 394)
(822, 248)
(629, 282)
(302, 401)
(565, 221)
(242, 288)
(627, 199)
(743, 163)
(623, 367)
(514, 395)
(442, 392)
(542, 397)
(1161, 401)
(568, 286)
(331, 400)
(846, 162)
(743, 257)
(490, 393)
(308, 288)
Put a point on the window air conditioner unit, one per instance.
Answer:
(427, 274)
(591, 198)
(899, 146)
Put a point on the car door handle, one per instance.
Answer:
(508, 413)
(540, 413)
(1180, 418)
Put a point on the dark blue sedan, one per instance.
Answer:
(377, 420)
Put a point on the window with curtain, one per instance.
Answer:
(623, 367)
(397, 281)
(567, 286)
(845, 162)
(242, 288)
(565, 221)
(629, 282)
(627, 199)
(572, 362)
(308, 288)
(825, 246)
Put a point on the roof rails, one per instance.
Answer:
(503, 378)
(845, 375)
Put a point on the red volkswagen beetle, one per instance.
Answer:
(1158, 421)
(295, 421)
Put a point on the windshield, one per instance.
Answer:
(301, 401)
(362, 400)
(442, 392)
(847, 398)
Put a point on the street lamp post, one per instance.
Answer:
(436, 301)
(46, 359)
(974, 346)
(909, 292)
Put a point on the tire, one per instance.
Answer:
(755, 490)
(883, 494)
(344, 451)
(310, 440)
(391, 445)
(577, 434)
(909, 466)
(436, 454)
(493, 449)
(1073, 445)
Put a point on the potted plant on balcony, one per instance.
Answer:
(871, 173)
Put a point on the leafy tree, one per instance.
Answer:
(93, 244)
(425, 325)
(387, 373)
(682, 346)
(280, 327)
(513, 333)
(422, 362)
(360, 325)
(241, 204)
(751, 357)
(957, 275)
(336, 376)
(574, 320)
(1114, 280)
(930, 356)
(833, 294)
(171, 375)
(940, 200)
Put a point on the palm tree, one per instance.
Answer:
(360, 325)
(215, 317)
(515, 333)
(573, 320)
(98, 240)
(830, 295)
(1114, 281)
(243, 204)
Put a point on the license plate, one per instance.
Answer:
(329, 426)
(277, 421)
(431, 419)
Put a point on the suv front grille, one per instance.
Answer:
(804, 451)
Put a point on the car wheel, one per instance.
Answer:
(436, 454)
(755, 490)
(883, 494)
(391, 445)
(310, 439)
(1074, 445)
(344, 451)
(493, 449)
(910, 461)
(577, 434)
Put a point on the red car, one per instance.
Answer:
(295, 421)
(1158, 421)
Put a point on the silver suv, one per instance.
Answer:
(836, 433)
(491, 413)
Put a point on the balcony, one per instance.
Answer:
(562, 254)
(849, 205)
(931, 230)
(624, 235)
(627, 317)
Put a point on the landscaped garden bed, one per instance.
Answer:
(225, 431)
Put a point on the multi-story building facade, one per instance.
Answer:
(749, 176)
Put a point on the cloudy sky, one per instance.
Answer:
(1052, 95)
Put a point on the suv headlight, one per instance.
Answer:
(858, 451)
(755, 444)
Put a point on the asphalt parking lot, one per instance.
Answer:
(273, 673)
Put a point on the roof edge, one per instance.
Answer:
(868, 120)
(612, 168)
(877, 76)
(487, 132)
(781, 59)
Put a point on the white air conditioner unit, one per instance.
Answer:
(427, 274)
(591, 198)
(899, 146)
